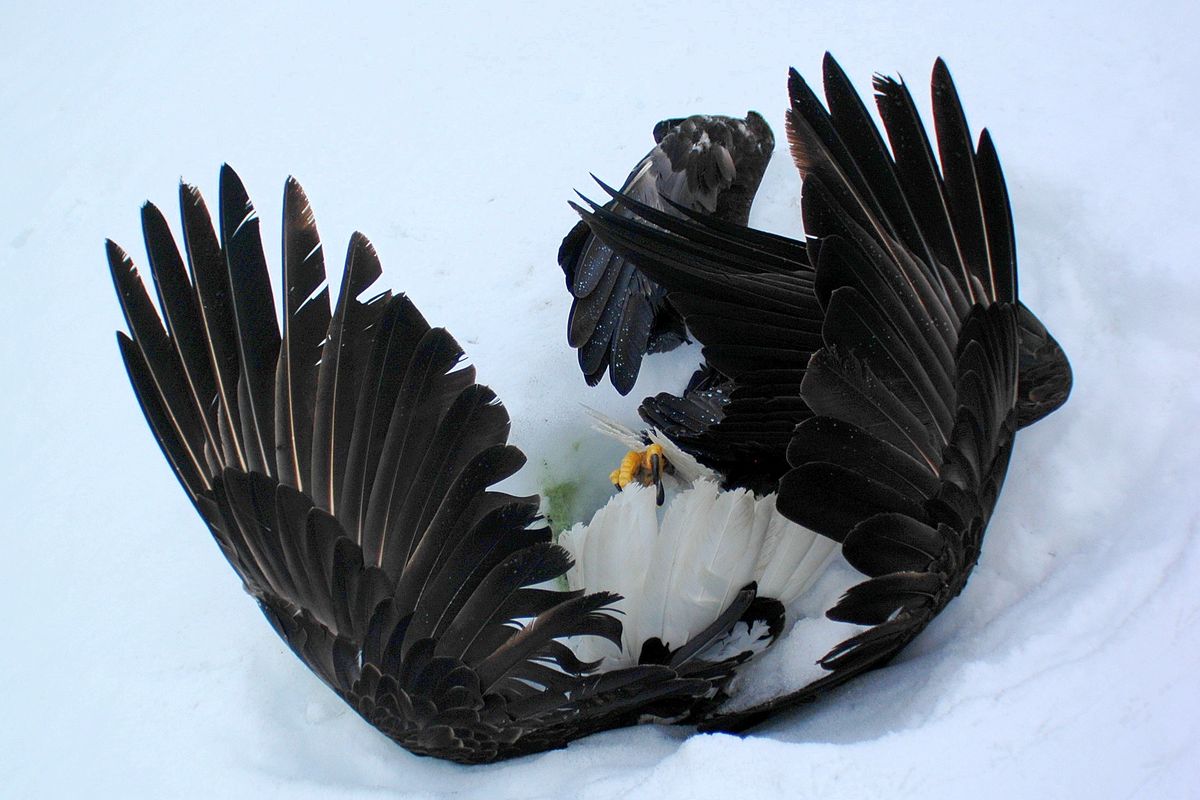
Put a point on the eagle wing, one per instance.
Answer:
(703, 163)
(343, 462)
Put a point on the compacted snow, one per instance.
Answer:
(132, 665)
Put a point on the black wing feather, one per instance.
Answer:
(182, 459)
(180, 312)
(337, 379)
(305, 323)
(210, 279)
(160, 367)
(254, 320)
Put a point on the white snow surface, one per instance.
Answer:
(132, 665)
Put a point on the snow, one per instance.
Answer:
(132, 664)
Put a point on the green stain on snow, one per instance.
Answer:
(561, 499)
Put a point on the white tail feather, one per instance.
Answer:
(732, 552)
(687, 469)
(792, 557)
(608, 426)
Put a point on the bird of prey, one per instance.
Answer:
(708, 164)
(869, 381)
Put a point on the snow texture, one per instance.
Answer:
(133, 666)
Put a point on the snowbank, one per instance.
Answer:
(132, 665)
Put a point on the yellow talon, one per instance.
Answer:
(648, 456)
(644, 466)
(628, 469)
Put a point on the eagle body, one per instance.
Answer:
(859, 399)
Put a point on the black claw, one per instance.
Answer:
(656, 472)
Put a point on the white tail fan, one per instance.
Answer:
(678, 573)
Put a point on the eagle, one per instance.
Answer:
(860, 396)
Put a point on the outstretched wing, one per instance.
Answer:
(903, 390)
(711, 164)
(343, 463)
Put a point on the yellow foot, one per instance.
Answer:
(644, 466)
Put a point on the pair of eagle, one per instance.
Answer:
(860, 394)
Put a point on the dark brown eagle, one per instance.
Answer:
(862, 389)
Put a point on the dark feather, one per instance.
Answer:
(215, 301)
(337, 380)
(1045, 378)
(878, 600)
(503, 528)
(1001, 239)
(182, 460)
(921, 179)
(862, 139)
(957, 158)
(576, 617)
(305, 323)
(887, 543)
(254, 320)
(159, 369)
(181, 313)
(456, 511)
(500, 598)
